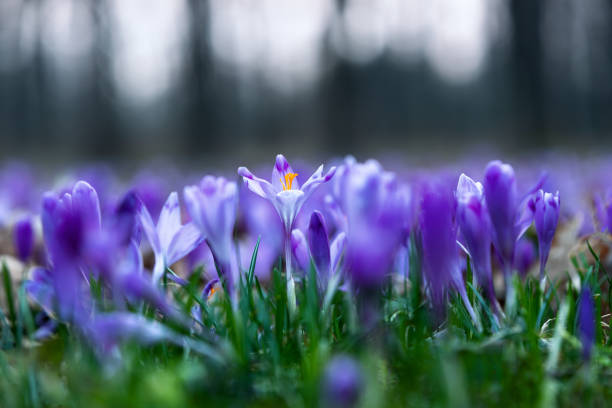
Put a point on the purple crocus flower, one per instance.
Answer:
(116, 256)
(67, 223)
(475, 227)
(287, 197)
(79, 245)
(169, 239)
(375, 211)
(68, 220)
(317, 247)
(342, 382)
(547, 208)
(510, 215)
(440, 252)
(23, 238)
(284, 191)
(212, 208)
(586, 322)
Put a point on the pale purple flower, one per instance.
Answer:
(586, 322)
(284, 191)
(169, 239)
(287, 197)
(212, 208)
(23, 238)
(343, 382)
(547, 209)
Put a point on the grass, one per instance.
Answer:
(260, 356)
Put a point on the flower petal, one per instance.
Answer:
(300, 249)
(184, 241)
(148, 227)
(336, 249)
(319, 244)
(259, 186)
(169, 221)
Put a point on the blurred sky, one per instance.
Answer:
(193, 79)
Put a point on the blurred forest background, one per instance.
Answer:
(134, 79)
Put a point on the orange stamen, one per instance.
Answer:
(212, 292)
(288, 181)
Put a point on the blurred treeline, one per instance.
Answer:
(140, 78)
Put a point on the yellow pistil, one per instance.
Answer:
(212, 292)
(288, 181)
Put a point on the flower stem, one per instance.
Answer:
(291, 299)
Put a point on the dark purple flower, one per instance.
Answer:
(586, 321)
(212, 208)
(169, 239)
(547, 208)
(502, 200)
(68, 222)
(440, 252)
(23, 238)
(510, 215)
(325, 255)
(343, 382)
(475, 227)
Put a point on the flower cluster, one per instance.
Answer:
(353, 225)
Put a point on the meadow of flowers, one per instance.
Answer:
(350, 284)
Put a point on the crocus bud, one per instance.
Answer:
(23, 238)
(440, 256)
(586, 322)
(501, 198)
(212, 208)
(474, 224)
(342, 382)
(318, 243)
(547, 207)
